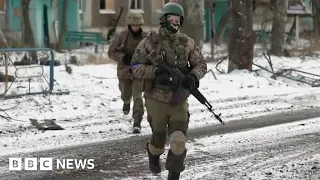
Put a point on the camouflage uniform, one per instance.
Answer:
(180, 52)
(121, 50)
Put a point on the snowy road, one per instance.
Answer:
(92, 111)
(232, 151)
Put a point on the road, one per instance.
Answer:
(240, 157)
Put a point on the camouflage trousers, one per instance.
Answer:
(167, 119)
(132, 89)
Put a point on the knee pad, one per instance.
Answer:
(154, 151)
(177, 142)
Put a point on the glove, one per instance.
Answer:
(162, 76)
(160, 70)
(189, 81)
(127, 59)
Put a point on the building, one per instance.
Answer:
(2, 13)
(99, 15)
(262, 16)
(45, 18)
(82, 15)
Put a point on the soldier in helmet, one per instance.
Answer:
(178, 51)
(121, 50)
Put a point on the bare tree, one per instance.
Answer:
(64, 27)
(241, 41)
(193, 24)
(279, 9)
(28, 36)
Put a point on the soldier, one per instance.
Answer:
(178, 51)
(121, 50)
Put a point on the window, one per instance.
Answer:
(2, 6)
(107, 6)
(81, 5)
(136, 5)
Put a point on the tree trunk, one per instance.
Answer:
(29, 37)
(278, 27)
(241, 41)
(64, 27)
(316, 20)
(193, 24)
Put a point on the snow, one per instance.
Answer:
(306, 167)
(228, 156)
(92, 110)
(252, 139)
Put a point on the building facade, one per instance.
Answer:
(45, 18)
(262, 16)
(99, 15)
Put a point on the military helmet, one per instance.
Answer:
(171, 8)
(134, 18)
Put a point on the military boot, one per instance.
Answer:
(136, 128)
(173, 175)
(126, 109)
(175, 164)
(137, 125)
(154, 162)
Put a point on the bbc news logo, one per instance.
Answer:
(47, 164)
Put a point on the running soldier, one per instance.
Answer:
(178, 51)
(121, 50)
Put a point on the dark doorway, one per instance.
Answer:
(45, 26)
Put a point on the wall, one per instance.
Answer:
(36, 18)
(51, 17)
(3, 20)
(88, 13)
(4, 17)
(36, 21)
(72, 15)
(155, 13)
(97, 20)
(262, 16)
(82, 14)
(14, 15)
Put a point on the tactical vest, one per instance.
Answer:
(175, 55)
(128, 47)
(175, 51)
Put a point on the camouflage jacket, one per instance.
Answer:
(124, 43)
(144, 65)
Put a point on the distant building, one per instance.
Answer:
(45, 18)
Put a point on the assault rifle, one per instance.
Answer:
(181, 93)
(112, 31)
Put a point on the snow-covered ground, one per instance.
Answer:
(273, 152)
(92, 110)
